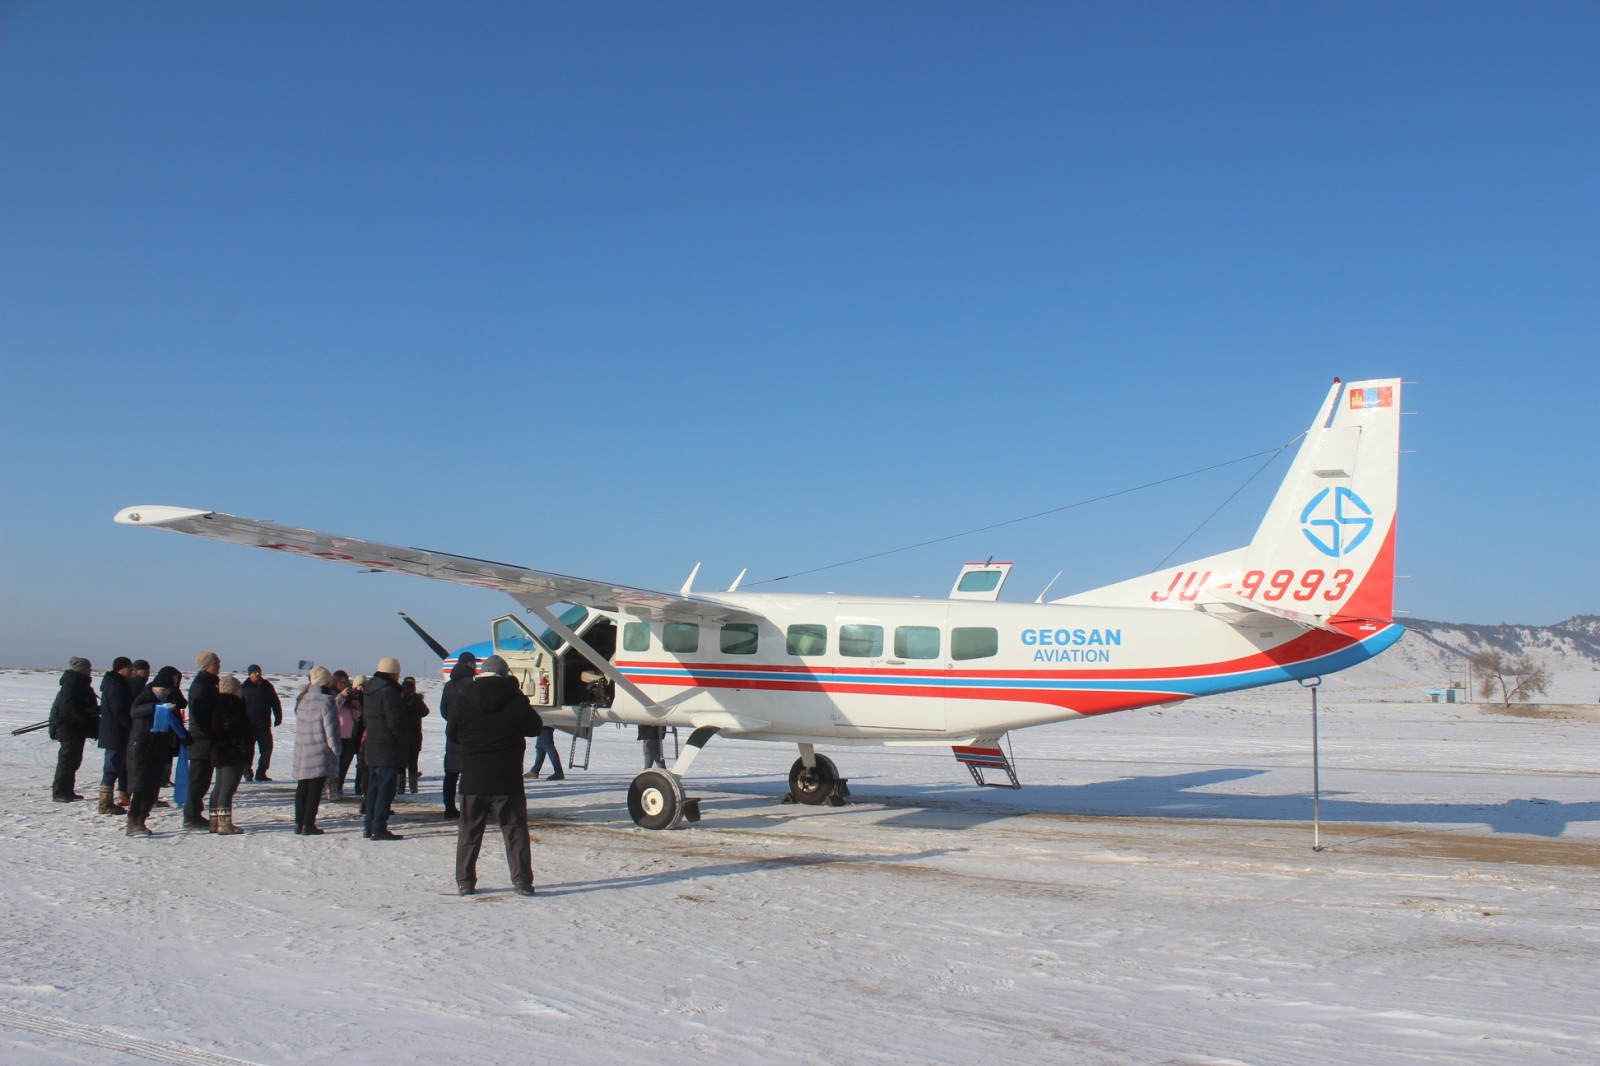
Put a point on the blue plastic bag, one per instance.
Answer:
(180, 779)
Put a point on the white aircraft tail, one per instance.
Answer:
(1325, 550)
(1324, 554)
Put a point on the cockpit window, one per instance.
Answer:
(512, 637)
(572, 617)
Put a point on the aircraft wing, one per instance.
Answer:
(526, 585)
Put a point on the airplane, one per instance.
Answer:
(1310, 594)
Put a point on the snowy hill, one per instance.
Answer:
(1432, 655)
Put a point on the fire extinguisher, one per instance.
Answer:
(544, 689)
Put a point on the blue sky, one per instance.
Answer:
(612, 289)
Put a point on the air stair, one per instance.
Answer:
(981, 757)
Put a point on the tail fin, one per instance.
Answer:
(1324, 553)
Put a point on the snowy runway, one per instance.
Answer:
(1150, 896)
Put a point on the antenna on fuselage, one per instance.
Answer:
(1048, 587)
(735, 586)
(690, 582)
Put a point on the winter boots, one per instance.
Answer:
(411, 781)
(136, 827)
(107, 806)
(222, 823)
(123, 799)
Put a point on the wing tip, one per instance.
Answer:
(155, 514)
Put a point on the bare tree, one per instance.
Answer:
(1519, 679)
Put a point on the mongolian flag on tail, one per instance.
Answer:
(1381, 396)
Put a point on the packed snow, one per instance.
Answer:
(1151, 895)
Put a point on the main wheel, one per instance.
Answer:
(655, 800)
(814, 786)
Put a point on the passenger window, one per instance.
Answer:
(635, 636)
(972, 642)
(916, 642)
(807, 640)
(681, 638)
(861, 642)
(739, 638)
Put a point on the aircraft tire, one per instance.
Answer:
(813, 787)
(655, 800)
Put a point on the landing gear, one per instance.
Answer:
(817, 784)
(656, 800)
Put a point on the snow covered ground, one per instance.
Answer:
(1150, 896)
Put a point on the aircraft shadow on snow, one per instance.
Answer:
(1192, 795)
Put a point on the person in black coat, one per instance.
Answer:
(202, 709)
(416, 710)
(266, 711)
(489, 725)
(74, 718)
(231, 742)
(116, 700)
(461, 675)
(148, 750)
(384, 745)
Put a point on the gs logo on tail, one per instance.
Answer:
(1338, 527)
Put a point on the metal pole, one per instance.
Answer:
(1316, 767)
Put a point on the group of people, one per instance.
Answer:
(140, 724)
(221, 732)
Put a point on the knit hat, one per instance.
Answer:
(254, 669)
(167, 677)
(119, 662)
(320, 676)
(496, 665)
(206, 659)
(77, 664)
(388, 665)
(229, 683)
(142, 664)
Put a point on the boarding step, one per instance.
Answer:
(582, 733)
(980, 757)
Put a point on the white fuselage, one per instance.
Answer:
(846, 669)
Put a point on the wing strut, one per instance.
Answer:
(541, 611)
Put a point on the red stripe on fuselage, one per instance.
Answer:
(1308, 645)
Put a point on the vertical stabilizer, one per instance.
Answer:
(1325, 549)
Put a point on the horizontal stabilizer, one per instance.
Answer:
(1243, 614)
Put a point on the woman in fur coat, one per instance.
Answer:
(316, 748)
